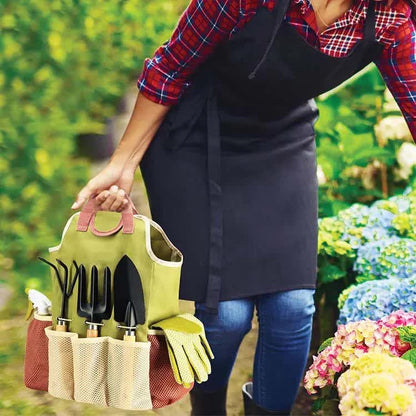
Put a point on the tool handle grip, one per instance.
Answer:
(92, 333)
(61, 328)
(86, 218)
(129, 338)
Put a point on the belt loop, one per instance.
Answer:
(215, 201)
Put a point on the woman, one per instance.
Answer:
(223, 130)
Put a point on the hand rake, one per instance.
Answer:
(66, 290)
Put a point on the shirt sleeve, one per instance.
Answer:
(397, 65)
(200, 29)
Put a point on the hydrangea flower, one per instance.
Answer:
(371, 299)
(376, 298)
(388, 257)
(377, 381)
(368, 256)
(355, 215)
(354, 339)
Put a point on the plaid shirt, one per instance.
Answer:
(206, 23)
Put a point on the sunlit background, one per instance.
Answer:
(67, 87)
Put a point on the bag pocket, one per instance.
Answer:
(36, 366)
(61, 362)
(128, 375)
(164, 389)
(90, 370)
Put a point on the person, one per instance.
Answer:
(223, 132)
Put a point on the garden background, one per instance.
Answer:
(67, 86)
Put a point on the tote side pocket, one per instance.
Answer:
(61, 375)
(90, 370)
(36, 354)
(128, 375)
(163, 387)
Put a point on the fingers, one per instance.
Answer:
(112, 200)
(84, 194)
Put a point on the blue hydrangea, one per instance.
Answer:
(398, 259)
(402, 202)
(355, 215)
(368, 256)
(380, 217)
(377, 298)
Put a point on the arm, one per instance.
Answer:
(118, 175)
(397, 65)
(202, 26)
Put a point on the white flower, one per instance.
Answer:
(321, 175)
(406, 158)
(392, 128)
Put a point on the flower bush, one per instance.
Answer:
(354, 339)
(378, 381)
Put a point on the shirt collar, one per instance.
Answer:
(352, 16)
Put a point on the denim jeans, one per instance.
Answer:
(284, 336)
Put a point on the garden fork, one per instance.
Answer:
(94, 310)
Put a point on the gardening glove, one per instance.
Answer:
(188, 348)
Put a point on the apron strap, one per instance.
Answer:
(280, 8)
(370, 23)
(216, 203)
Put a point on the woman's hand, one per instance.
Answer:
(111, 186)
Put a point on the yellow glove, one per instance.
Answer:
(188, 348)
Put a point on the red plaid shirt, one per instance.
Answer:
(206, 23)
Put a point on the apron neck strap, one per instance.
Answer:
(370, 22)
(280, 8)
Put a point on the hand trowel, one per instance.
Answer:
(129, 307)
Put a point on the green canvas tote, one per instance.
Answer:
(98, 240)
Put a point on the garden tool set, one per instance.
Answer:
(112, 334)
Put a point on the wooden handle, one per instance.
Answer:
(92, 333)
(129, 338)
(61, 328)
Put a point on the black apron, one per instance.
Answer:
(231, 173)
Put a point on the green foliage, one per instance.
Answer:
(325, 344)
(65, 64)
(410, 355)
(348, 150)
(408, 334)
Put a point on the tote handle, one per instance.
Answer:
(86, 218)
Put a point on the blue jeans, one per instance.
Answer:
(284, 336)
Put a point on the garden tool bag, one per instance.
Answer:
(116, 337)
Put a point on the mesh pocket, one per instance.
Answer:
(163, 387)
(128, 375)
(36, 354)
(60, 357)
(90, 370)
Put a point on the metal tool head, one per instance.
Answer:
(128, 289)
(66, 288)
(95, 309)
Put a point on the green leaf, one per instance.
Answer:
(408, 334)
(331, 272)
(325, 344)
(372, 411)
(362, 157)
(410, 355)
(318, 403)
